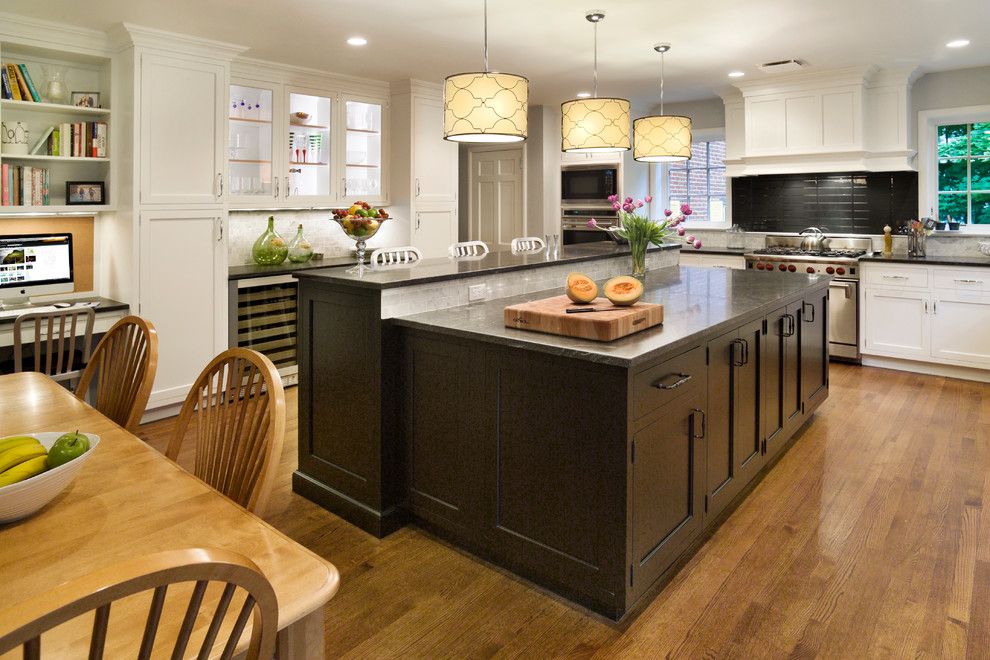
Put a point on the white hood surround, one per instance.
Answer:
(851, 119)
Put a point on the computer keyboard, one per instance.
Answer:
(13, 313)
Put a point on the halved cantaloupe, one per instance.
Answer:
(581, 288)
(624, 290)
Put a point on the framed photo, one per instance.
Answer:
(86, 99)
(85, 192)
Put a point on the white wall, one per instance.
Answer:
(707, 113)
(951, 89)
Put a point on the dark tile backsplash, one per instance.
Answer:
(841, 203)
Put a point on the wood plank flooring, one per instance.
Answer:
(868, 539)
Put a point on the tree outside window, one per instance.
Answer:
(700, 182)
(964, 173)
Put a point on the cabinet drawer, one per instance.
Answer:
(905, 277)
(668, 380)
(962, 279)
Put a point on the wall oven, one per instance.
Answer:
(574, 224)
(588, 184)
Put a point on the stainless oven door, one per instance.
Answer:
(843, 318)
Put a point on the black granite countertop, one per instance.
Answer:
(697, 301)
(254, 270)
(438, 270)
(704, 249)
(967, 260)
(106, 305)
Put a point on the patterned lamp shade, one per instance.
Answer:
(662, 139)
(485, 107)
(594, 125)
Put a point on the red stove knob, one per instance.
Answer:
(811, 270)
(782, 267)
(759, 265)
(791, 268)
(830, 270)
(840, 271)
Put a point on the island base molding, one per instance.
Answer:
(929, 368)
(377, 523)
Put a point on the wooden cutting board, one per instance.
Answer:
(548, 315)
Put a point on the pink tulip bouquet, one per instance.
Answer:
(639, 230)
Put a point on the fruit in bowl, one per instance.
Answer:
(361, 220)
(35, 468)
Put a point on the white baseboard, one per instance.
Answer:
(931, 368)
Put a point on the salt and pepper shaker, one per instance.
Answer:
(888, 241)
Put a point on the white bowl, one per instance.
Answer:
(26, 497)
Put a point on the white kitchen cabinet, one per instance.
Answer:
(183, 291)
(896, 323)
(434, 159)
(182, 113)
(688, 258)
(434, 229)
(579, 158)
(254, 164)
(961, 328)
(365, 125)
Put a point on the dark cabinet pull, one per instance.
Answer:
(673, 386)
(744, 352)
(805, 313)
(695, 411)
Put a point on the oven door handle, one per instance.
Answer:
(842, 285)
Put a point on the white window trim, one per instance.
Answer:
(658, 179)
(928, 122)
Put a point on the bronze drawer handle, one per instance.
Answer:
(673, 386)
(704, 423)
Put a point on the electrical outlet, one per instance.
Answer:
(477, 292)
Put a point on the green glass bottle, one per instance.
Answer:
(300, 250)
(270, 248)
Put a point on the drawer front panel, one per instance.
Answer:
(958, 279)
(904, 277)
(668, 380)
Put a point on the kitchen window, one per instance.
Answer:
(963, 168)
(699, 182)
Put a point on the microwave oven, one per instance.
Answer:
(588, 184)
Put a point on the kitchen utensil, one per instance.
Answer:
(610, 322)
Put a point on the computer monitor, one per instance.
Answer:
(34, 264)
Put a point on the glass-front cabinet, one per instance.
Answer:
(291, 147)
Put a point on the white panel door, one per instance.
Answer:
(434, 159)
(839, 121)
(434, 230)
(182, 127)
(961, 328)
(497, 196)
(896, 323)
(803, 121)
(183, 291)
(765, 119)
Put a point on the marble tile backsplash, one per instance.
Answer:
(402, 301)
(939, 244)
(246, 226)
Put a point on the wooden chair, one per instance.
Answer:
(24, 624)
(467, 249)
(124, 365)
(55, 340)
(239, 405)
(396, 255)
(527, 244)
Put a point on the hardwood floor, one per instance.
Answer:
(869, 538)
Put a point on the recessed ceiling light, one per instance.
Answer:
(584, 95)
(958, 43)
(357, 41)
(736, 74)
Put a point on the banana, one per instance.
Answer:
(19, 454)
(14, 441)
(22, 471)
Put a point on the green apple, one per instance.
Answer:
(67, 447)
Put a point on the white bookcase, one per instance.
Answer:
(80, 73)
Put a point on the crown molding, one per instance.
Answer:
(414, 86)
(256, 69)
(125, 35)
(38, 33)
(853, 75)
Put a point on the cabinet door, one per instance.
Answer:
(364, 165)
(434, 230)
(253, 170)
(747, 402)
(434, 159)
(183, 291)
(668, 487)
(960, 325)
(183, 107)
(813, 339)
(896, 323)
(774, 365)
(791, 372)
(309, 178)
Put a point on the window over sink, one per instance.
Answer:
(963, 167)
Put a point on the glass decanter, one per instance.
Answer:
(270, 248)
(300, 250)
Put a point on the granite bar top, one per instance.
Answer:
(967, 260)
(697, 301)
(438, 270)
(254, 270)
(106, 305)
(717, 250)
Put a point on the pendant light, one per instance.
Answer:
(594, 124)
(485, 106)
(662, 138)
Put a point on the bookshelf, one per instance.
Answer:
(79, 72)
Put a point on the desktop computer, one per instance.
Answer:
(34, 264)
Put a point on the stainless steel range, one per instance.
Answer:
(837, 256)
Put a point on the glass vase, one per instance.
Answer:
(637, 250)
(270, 248)
(300, 250)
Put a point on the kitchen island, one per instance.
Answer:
(590, 468)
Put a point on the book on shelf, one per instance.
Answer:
(4, 84)
(22, 68)
(17, 83)
(15, 89)
(76, 140)
(24, 185)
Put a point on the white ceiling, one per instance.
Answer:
(549, 41)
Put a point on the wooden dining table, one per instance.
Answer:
(129, 500)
